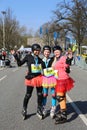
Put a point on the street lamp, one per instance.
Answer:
(3, 12)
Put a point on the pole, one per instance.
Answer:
(3, 12)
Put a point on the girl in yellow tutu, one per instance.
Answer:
(48, 81)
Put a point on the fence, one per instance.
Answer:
(2, 63)
(79, 61)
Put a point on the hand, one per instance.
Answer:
(70, 55)
(68, 69)
(12, 52)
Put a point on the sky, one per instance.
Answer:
(30, 13)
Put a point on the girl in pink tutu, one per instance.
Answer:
(49, 81)
(64, 82)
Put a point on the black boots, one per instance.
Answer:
(61, 117)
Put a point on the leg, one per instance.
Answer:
(39, 95)
(45, 94)
(53, 102)
(39, 102)
(61, 116)
(28, 94)
(61, 98)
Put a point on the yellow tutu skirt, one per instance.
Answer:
(49, 82)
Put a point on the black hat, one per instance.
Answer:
(57, 48)
(47, 47)
(36, 47)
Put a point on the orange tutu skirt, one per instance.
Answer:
(64, 85)
(35, 82)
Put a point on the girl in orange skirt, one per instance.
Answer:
(32, 79)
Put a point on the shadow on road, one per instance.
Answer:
(82, 105)
(72, 115)
(29, 115)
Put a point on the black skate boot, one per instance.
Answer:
(61, 117)
(40, 112)
(24, 114)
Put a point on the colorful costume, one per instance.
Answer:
(49, 81)
(64, 82)
(33, 78)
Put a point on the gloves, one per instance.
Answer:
(68, 69)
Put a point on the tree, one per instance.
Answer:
(71, 17)
(47, 34)
(14, 34)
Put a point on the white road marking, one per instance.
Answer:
(83, 118)
(1, 68)
(15, 70)
(3, 77)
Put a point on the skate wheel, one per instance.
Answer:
(40, 117)
(60, 122)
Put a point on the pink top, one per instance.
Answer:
(61, 65)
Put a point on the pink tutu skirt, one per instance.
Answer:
(35, 82)
(49, 82)
(64, 85)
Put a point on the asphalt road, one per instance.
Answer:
(12, 90)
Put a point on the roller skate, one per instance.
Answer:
(44, 111)
(40, 112)
(52, 112)
(24, 114)
(61, 117)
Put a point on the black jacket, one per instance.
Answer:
(29, 59)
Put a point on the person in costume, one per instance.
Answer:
(49, 81)
(64, 82)
(33, 78)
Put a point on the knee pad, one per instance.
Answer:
(45, 95)
(60, 98)
(27, 96)
(54, 95)
(39, 94)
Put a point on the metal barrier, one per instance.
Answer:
(2, 63)
(79, 61)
